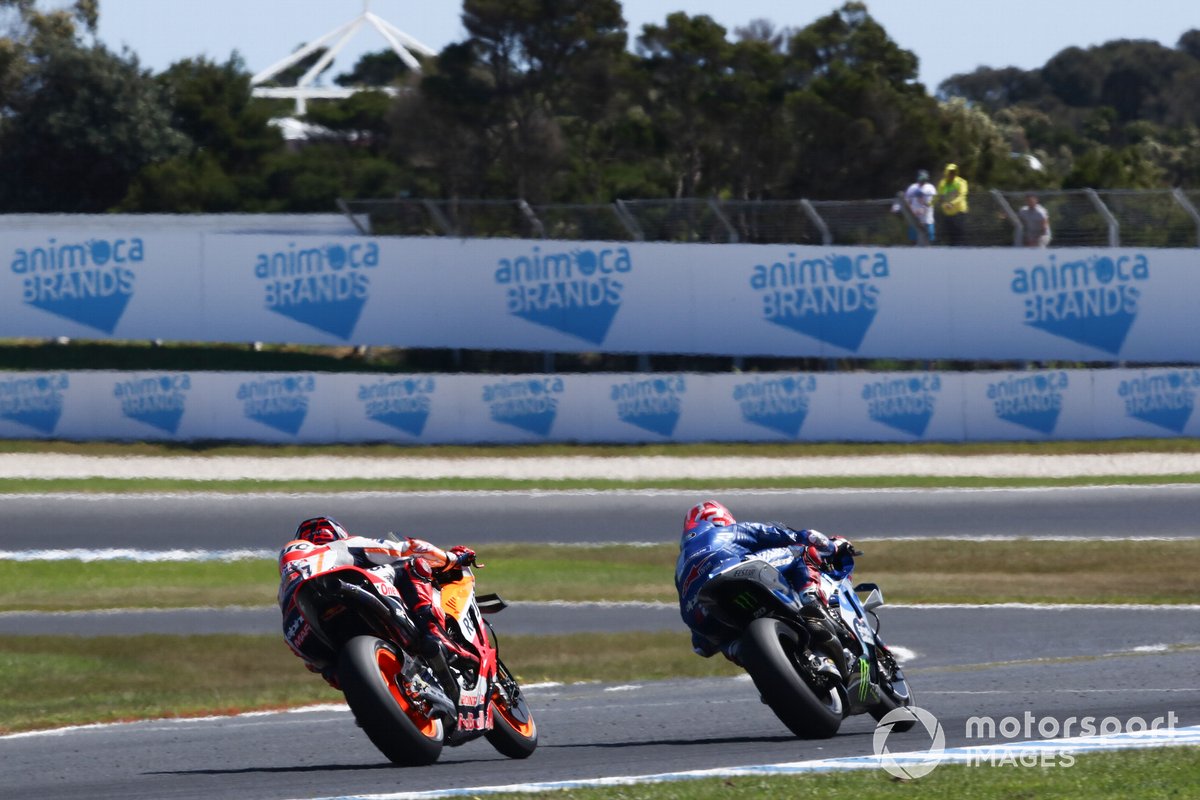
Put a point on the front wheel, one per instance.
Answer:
(368, 670)
(513, 733)
(895, 692)
(773, 656)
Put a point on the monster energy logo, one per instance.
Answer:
(864, 679)
(746, 600)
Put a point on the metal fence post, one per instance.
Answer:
(439, 218)
(815, 219)
(629, 222)
(730, 230)
(539, 230)
(1114, 227)
(1183, 201)
(1007, 208)
(911, 219)
(344, 207)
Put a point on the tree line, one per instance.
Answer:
(550, 102)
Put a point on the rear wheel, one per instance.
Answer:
(513, 733)
(369, 670)
(895, 692)
(773, 656)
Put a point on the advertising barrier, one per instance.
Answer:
(1103, 305)
(634, 407)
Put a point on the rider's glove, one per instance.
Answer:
(461, 556)
(821, 542)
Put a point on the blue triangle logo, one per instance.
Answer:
(590, 323)
(1105, 333)
(408, 421)
(787, 424)
(288, 422)
(1040, 421)
(44, 420)
(539, 423)
(165, 420)
(662, 424)
(101, 313)
(1173, 419)
(845, 329)
(336, 317)
(909, 423)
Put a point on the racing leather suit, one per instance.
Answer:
(408, 564)
(709, 548)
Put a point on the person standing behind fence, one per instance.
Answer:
(952, 195)
(1035, 222)
(919, 199)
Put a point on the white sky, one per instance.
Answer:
(949, 36)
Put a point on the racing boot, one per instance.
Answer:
(435, 640)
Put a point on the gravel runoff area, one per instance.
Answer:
(50, 465)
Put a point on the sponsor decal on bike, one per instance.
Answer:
(1032, 400)
(530, 404)
(780, 404)
(833, 299)
(1163, 398)
(158, 402)
(1093, 301)
(576, 292)
(34, 401)
(904, 403)
(401, 404)
(323, 286)
(279, 403)
(89, 282)
(652, 404)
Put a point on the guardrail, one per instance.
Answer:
(1078, 218)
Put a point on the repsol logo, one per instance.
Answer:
(833, 299)
(403, 404)
(653, 404)
(158, 402)
(87, 282)
(780, 404)
(1093, 301)
(577, 292)
(528, 403)
(1032, 400)
(34, 401)
(280, 403)
(325, 286)
(1163, 398)
(906, 404)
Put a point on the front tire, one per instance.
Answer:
(771, 651)
(513, 733)
(895, 690)
(367, 670)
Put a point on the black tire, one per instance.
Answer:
(366, 670)
(768, 650)
(896, 692)
(514, 732)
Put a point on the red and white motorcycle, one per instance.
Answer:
(411, 705)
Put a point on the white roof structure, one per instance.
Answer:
(401, 43)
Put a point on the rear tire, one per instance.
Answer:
(367, 670)
(769, 650)
(513, 733)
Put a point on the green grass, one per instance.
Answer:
(1160, 774)
(52, 681)
(1024, 570)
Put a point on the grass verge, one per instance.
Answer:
(1160, 774)
(144, 485)
(1024, 570)
(63, 680)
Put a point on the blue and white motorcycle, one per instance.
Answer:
(813, 668)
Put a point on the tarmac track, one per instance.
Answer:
(595, 730)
